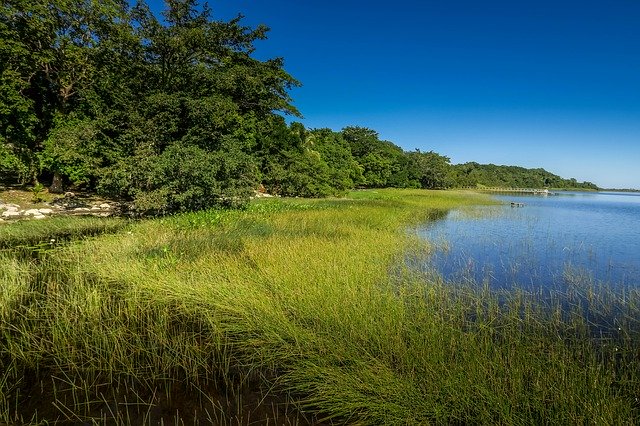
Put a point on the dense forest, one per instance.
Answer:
(474, 174)
(174, 113)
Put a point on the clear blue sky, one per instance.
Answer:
(553, 84)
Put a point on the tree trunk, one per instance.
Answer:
(56, 185)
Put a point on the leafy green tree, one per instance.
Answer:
(362, 141)
(377, 169)
(291, 163)
(431, 170)
(93, 91)
(10, 165)
(47, 69)
(184, 178)
(72, 149)
(344, 171)
(202, 91)
(380, 160)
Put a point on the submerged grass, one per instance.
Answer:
(296, 312)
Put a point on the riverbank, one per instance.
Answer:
(296, 311)
(18, 203)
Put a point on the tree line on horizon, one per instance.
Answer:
(175, 114)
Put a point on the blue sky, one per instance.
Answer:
(553, 84)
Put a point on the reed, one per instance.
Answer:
(298, 312)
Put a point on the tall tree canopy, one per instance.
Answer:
(102, 94)
(47, 69)
(380, 160)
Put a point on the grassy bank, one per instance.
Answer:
(30, 233)
(298, 312)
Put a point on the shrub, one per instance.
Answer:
(182, 178)
(11, 167)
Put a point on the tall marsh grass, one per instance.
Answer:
(298, 312)
(29, 235)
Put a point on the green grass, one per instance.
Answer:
(300, 311)
(62, 228)
(24, 196)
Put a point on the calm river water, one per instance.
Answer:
(550, 240)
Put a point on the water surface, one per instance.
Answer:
(552, 239)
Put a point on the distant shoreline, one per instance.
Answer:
(618, 190)
(595, 190)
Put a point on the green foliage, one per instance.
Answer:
(344, 171)
(73, 150)
(11, 166)
(37, 191)
(429, 169)
(311, 163)
(380, 160)
(182, 178)
(474, 174)
(291, 165)
(90, 91)
(47, 68)
(387, 165)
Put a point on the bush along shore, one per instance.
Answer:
(295, 311)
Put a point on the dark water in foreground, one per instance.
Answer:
(550, 240)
